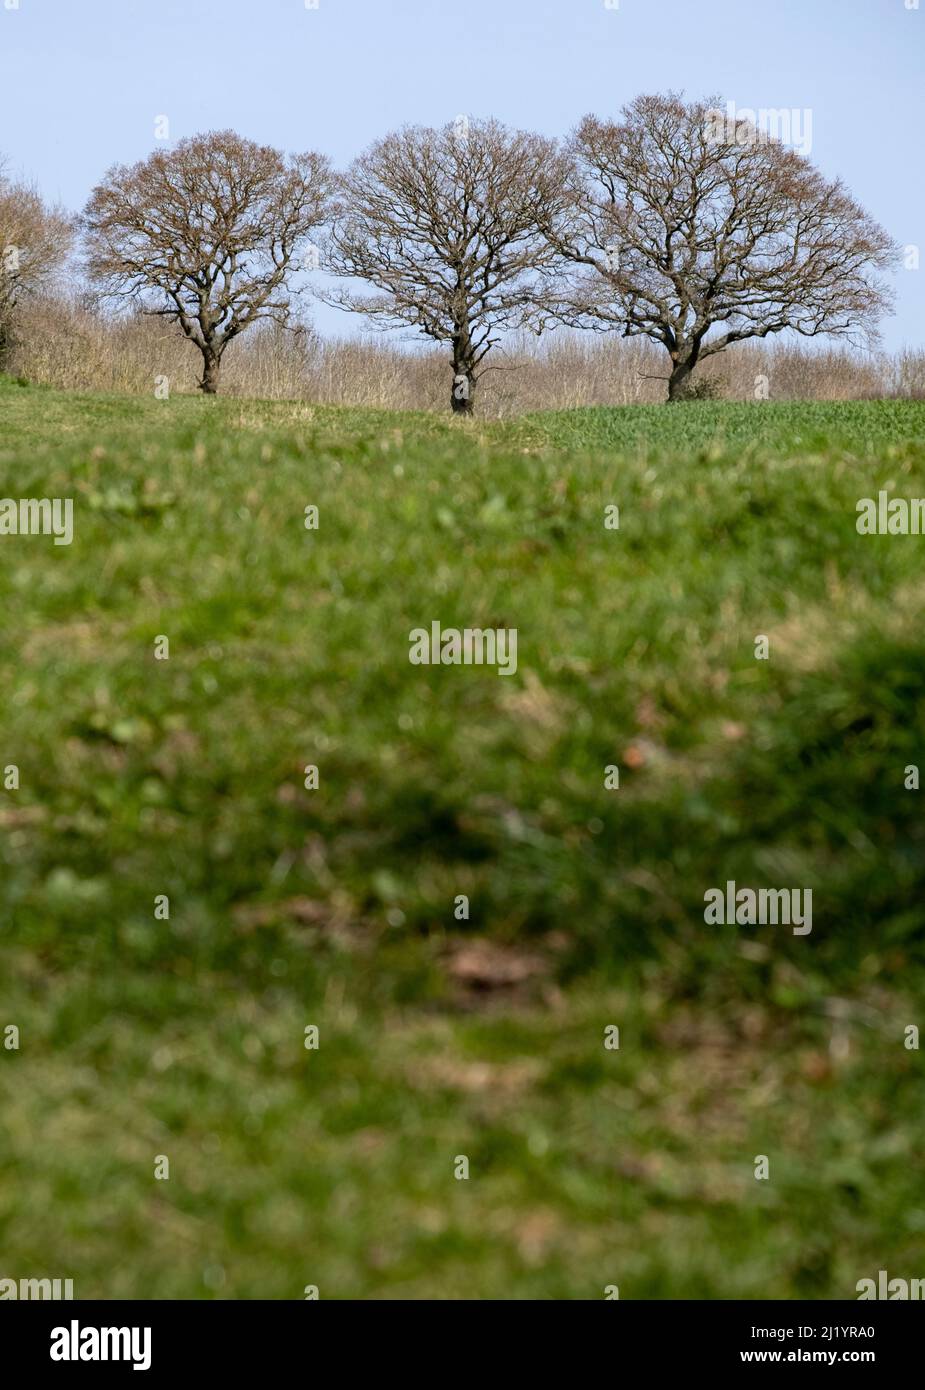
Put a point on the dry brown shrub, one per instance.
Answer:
(69, 344)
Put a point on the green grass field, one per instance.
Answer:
(289, 907)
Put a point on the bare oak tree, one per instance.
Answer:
(698, 231)
(35, 240)
(207, 235)
(445, 224)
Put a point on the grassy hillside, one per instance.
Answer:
(335, 907)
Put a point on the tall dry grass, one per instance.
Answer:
(72, 345)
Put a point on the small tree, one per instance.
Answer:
(35, 240)
(446, 225)
(686, 224)
(207, 235)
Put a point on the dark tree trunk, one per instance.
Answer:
(6, 345)
(463, 390)
(679, 383)
(463, 371)
(211, 368)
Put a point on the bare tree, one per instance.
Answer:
(686, 221)
(446, 225)
(35, 240)
(207, 235)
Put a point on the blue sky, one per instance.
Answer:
(82, 81)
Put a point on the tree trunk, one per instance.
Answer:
(679, 383)
(463, 370)
(6, 345)
(463, 390)
(211, 367)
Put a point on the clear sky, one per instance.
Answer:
(83, 81)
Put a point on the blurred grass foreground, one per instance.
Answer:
(182, 907)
